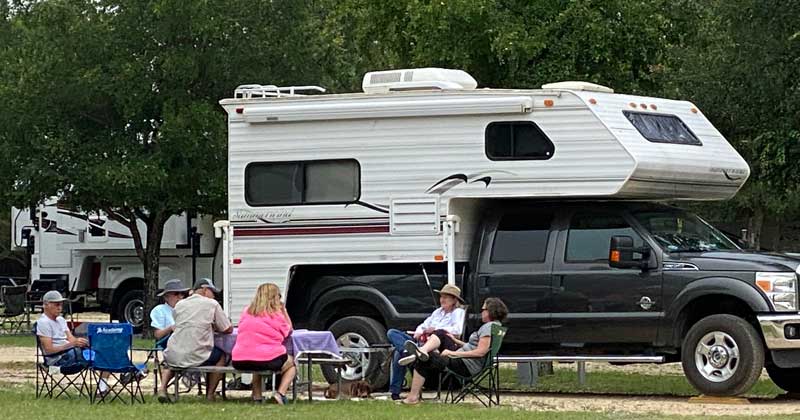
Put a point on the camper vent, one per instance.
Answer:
(589, 87)
(414, 216)
(417, 79)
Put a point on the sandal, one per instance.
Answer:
(412, 348)
(280, 399)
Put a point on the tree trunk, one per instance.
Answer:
(152, 257)
(754, 225)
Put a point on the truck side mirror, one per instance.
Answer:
(621, 250)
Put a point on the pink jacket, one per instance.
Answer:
(260, 338)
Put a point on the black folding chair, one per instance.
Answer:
(69, 380)
(15, 318)
(462, 386)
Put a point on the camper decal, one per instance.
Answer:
(377, 207)
(449, 182)
(276, 216)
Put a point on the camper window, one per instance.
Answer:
(307, 182)
(521, 238)
(661, 128)
(517, 140)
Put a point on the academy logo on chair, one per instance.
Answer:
(106, 330)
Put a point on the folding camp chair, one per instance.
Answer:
(15, 318)
(55, 381)
(112, 345)
(462, 386)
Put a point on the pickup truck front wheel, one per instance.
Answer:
(722, 355)
(787, 379)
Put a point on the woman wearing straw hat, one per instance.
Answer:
(445, 322)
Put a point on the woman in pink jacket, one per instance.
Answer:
(263, 327)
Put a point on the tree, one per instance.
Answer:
(743, 70)
(115, 103)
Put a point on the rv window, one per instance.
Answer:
(660, 128)
(517, 140)
(590, 235)
(521, 238)
(309, 182)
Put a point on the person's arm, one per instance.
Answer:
(288, 319)
(483, 347)
(158, 321)
(424, 326)
(456, 340)
(72, 341)
(221, 322)
(160, 333)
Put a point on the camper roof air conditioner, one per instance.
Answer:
(589, 87)
(417, 79)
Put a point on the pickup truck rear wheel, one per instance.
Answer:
(787, 379)
(360, 332)
(722, 355)
(130, 308)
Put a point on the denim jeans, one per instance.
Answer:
(398, 339)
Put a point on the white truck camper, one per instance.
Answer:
(92, 260)
(359, 205)
(400, 172)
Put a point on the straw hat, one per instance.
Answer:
(452, 290)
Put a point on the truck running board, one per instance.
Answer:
(609, 359)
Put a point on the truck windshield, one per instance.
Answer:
(680, 231)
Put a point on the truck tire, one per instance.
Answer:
(360, 331)
(130, 308)
(788, 379)
(722, 355)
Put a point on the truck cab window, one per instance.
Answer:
(590, 235)
(521, 238)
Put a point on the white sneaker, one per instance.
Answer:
(405, 361)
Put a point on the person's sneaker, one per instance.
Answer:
(396, 397)
(412, 348)
(164, 398)
(405, 361)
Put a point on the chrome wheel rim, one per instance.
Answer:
(717, 356)
(134, 312)
(355, 369)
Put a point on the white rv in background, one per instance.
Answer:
(92, 260)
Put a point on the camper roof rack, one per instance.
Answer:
(272, 91)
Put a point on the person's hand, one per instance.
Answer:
(417, 335)
(447, 353)
(429, 330)
(81, 342)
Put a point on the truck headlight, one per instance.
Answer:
(780, 288)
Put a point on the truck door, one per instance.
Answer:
(515, 263)
(592, 302)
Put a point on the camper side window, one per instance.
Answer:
(306, 182)
(517, 140)
(662, 128)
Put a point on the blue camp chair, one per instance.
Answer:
(68, 380)
(112, 345)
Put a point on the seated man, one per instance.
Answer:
(55, 337)
(445, 320)
(192, 342)
(162, 317)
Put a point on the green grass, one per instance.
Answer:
(565, 380)
(18, 402)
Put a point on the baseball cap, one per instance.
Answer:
(52, 296)
(205, 283)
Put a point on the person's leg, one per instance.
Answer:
(397, 338)
(256, 384)
(213, 380)
(432, 344)
(417, 383)
(288, 373)
(166, 375)
(422, 370)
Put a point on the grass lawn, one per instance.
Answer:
(18, 402)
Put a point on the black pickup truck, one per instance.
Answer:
(600, 278)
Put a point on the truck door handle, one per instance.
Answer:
(559, 282)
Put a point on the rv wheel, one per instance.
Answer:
(360, 332)
(130, 308)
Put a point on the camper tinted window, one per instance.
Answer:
(310, 182)
(517, 140)
(660, 128)
(521, 238)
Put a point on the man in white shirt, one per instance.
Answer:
(448, 318)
